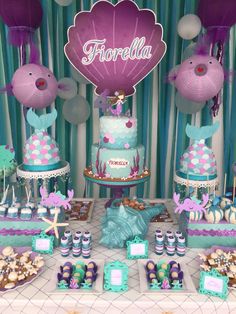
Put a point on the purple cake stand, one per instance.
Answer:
(117, 187)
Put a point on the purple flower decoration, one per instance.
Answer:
(102, 101)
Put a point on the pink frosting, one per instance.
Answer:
(201, 152)
(32, 146)
(33, 156)
(191, 166)
(44, 161)
(44, 151)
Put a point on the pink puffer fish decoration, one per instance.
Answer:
(199, 78)
(56, 199)
(190, 204)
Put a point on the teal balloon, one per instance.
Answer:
(78, 77)
(187, 106)
(189, 51)
(76, 110)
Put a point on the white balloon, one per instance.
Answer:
(187, 106)
(78, 77)
(64, 3)
(68, 89)
(189, 26)
(76, 110)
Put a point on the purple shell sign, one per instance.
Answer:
(115, 46)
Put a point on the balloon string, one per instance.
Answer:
(217, 99)
(22, 55)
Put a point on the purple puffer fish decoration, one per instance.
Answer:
(115, 46)
(56, 199)
(190, 204)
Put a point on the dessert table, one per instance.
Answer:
(33, 299)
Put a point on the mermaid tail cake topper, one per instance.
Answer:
(202, 133)
(41, 152)
(41, 122)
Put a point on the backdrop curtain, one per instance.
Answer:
(161, 127)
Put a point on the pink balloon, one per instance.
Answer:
(34, 86)
(199, 78)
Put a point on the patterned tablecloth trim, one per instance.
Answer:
(212, 233)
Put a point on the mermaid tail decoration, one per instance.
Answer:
(202, 133)
(41, 122)
(124, 223)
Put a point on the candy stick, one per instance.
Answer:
(13, 195)
(4, 197)
(225, 184)
(4, 180)
(234, 189)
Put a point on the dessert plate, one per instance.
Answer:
(188, 285)
(97, 288)
(23, 283)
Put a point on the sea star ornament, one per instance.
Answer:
(54, 224)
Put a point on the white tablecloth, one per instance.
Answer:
(32, 299)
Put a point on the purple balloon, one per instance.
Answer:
(217, 16)
(22, 17)
(115, 46)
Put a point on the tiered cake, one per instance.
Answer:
(117, 156)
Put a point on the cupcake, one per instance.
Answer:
(42, 211)
(12, 212)
(26, 213)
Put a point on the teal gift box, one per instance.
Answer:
(202, 234)
(18, 232)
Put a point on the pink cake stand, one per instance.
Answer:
(117, 186)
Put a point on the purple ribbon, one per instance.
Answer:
(14, 232)
(212, 233)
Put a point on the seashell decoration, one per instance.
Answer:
(115, 46)
(124, 223)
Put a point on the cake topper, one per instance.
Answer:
(56, 199)
(102, 101)
(117, 101)
(115, 46)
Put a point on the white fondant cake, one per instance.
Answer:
(118, 132)
(117, 163)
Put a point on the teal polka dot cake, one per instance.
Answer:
(41, 152)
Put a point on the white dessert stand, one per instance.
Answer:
(64, 170)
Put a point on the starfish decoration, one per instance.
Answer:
(54, 224)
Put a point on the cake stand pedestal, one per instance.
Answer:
(64, 170)
(117, 186)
